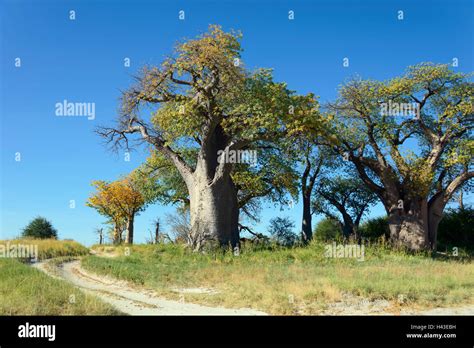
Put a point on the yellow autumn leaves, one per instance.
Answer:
(118, 200)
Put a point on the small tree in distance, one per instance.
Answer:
(282, 231)
(119, 200)
(40, 228)
(344, 199)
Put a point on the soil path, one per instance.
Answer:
(128, 299)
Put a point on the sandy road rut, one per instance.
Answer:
(131, 300)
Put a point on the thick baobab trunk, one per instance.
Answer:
(409, 225)
(214, 213)
(130, 222)
(214, 210)
(409, 231)
(306, 231)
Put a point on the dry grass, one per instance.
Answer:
(27, 291)
(50, 248)
(293, 281)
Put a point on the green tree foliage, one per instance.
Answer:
(375, 228)
(40, 228)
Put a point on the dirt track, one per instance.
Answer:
(131, 300)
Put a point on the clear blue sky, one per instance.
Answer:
(82, 61)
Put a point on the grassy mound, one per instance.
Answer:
(48, 248)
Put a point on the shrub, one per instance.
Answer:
(328, 229)
(375, 228)
(40, 228)
(457, 229)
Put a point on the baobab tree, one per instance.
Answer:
(410, 139)
(273, 180)
(202, 98)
